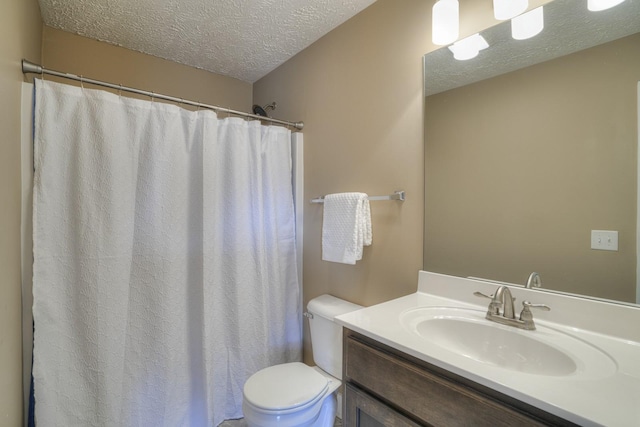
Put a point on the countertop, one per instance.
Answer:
(610, 397)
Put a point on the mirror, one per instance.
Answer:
(532, 145)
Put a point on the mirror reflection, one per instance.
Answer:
(533, 145)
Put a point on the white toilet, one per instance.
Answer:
(297, 395)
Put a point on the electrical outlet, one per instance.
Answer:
(604, 240)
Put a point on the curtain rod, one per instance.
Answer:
(30, 67)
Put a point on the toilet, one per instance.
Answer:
(297, 395)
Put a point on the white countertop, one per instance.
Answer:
(609, 398)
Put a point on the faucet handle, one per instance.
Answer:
(491, 297)
(494, 305)
(480, 294)
(527, 317)
(527, 305)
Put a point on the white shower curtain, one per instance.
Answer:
(164, 260)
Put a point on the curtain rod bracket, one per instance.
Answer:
(30, 67)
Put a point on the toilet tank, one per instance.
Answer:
(326, 335)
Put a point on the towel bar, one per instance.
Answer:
(397, 195)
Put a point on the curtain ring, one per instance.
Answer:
(152, 95)
(81, 82)
(120, 91)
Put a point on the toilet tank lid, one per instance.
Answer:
(329, 306)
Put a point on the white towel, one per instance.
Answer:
(346, 227)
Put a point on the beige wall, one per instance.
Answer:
(520, 168)
(359, 91)
(20, 27)
(62, 51)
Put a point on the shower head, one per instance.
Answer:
(259, 111)
(262, 111)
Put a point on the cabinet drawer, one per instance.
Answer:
(428, 397)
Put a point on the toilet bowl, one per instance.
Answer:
(297, 395)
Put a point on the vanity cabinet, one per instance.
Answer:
(385, 387)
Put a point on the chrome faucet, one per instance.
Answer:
(534, 281)
(502, 299)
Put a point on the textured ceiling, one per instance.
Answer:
(568, 27)
(245, 39)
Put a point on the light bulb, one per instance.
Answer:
(468, 47)
(528, 24)
(445, 25)
(598, 5)
(507, 9)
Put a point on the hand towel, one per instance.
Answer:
(346, 227)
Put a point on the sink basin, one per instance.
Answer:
(545, 351)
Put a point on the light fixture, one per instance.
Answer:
(468, 47)
(528, 24)
(598, 5)
(507, 9)
(444, 25)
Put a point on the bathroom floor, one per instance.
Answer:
(241, 423)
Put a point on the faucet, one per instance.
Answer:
(502, 299)
(534, 281)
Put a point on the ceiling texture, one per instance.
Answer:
(244, 39)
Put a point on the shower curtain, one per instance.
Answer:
(164, 260)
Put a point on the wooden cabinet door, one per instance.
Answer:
(362, 410)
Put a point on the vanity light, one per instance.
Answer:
(468, 47)
(598, 5)
(445, 22)
(507, 9)
(528, 24)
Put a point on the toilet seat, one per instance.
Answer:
(285, 388)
